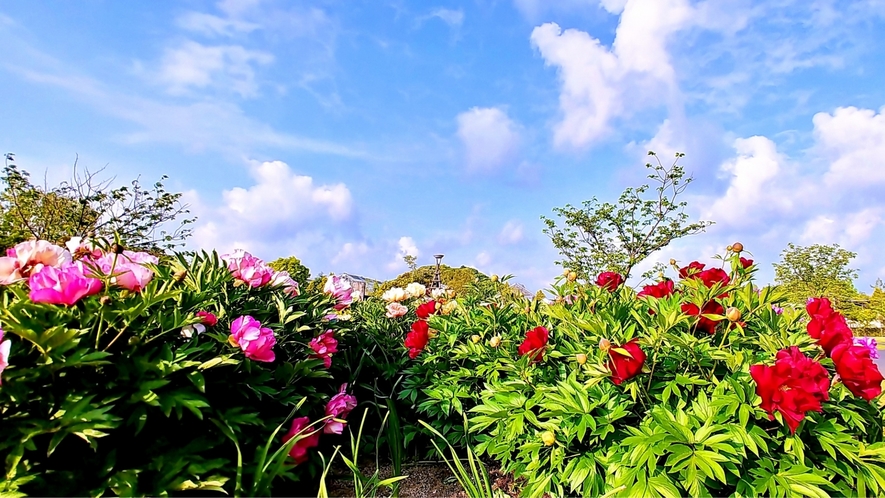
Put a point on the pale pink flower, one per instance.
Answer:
(324, 345)
(247, 268)
(339, 289)
(65, 285)
(127, 270)
(300, 427)
(396, 310)
(257, 342)
(284, 280)
(30, 257)
(4, 353)
(339, 407)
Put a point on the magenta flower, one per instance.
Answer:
(208, 319)
(257, 342)
(324, 345)
(777, 309)
(28, 258)
(4, 354)
(247, 268)
(339, 407)
(65, 285)
(870, 344)
(339, 289)
(284, 280)
(299, 450)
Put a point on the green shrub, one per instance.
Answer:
(677, 415)
(107, 396)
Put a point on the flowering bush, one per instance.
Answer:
(695, 387)
(128, 375)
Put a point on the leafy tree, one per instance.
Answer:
(617, 236)
(142, 217)
(817, 270)
(297, 271)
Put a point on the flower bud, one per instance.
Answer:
(572, 276)
(431, 333)
(737, 247)
(548, 437)
(179, 275)
(475, 338)
(729, 248)
(495, 341)
(134, 340)
(104, 300)
(605, 345)
(438, 306)
(672, 262)
(494, 278)
(581, 357)
(565, 272)
(117, 248)
(733, 314)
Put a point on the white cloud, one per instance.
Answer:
(406, 247)
(490, 138)
(853, 140)
(212, 25)
(845, 229)
(454, 18)
(483, 259)
(351, 252)
(511, 233)
(193, 65)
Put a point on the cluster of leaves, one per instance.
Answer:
(107, 396)
(607, 236)
(689, 424)
(296, 269)
(457, 279)
(148, 219)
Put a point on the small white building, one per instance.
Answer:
(362, 286)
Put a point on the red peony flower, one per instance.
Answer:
(705, 324)
(426, 309)
(746, 263)
(659, 290)
(857, 370)
(692, 268)
(299, 450)
(625, 366)
(609, 280)
(827, 325)
(794, 386)
(535, 342)
(416, 340)
(713, 276)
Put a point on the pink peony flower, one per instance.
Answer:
(870, 344)
(340, 289)
(395, 310)
(324, 345)
(247, 268)
(339, 407)
(127, 270)
(208, 318)
(299, 450)
(257, 342)
(65, 285)
(4, 355)
(83, 248)
(284, 280)
(28, 258)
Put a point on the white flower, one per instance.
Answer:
(415, 289)
(188, 330)
(396, 309)
(437, 293)
(395, 294)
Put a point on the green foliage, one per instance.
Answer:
(689, 424)
(142, 218)
(297, 271)
(457, 279)
(604, 236)
(107, 396)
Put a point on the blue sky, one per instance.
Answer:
(351, 132)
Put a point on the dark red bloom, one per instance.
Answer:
(711, 308)
(609, 280)
(208, 319)
(625, 366)
(691, 269)
(827, 325)
(857, 370)
(426, 309)
(535, 342)
(794, 386)
(416, 340)
(712, 277)
(746, 263)
(658, 290)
